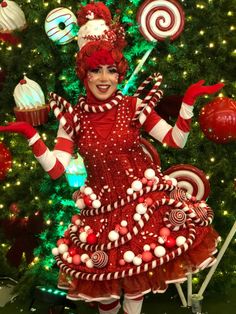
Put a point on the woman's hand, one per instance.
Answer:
(197, 89)
(23, 128)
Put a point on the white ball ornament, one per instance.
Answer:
(124, 223)
(141, 208)
(86, 228)
(80, 203)
(84, 258)
(159, 251)
(137, 217)
(149, 174)
(55, 251)
(96, 204)
(128, 256)
(146, 247)
(113, 235)
(65, 255)
(89, 263)
(161, 240)
(74, 228)
(69, 260)
(130, 191)
(93, 196)
(83, 236)
(137, 261)
(78, 222)
(180, 240)
(88, 191)
(137, 185)
(62, 248)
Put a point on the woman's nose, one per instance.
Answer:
(103, 75)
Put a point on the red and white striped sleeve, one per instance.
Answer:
(53, 162)
(174, 136)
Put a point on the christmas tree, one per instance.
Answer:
(35, 207)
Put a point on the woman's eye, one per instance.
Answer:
(113, 70)
(96, 70)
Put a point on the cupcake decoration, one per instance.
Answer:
(30, 102)
(12, 18)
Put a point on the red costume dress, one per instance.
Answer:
(119, 238)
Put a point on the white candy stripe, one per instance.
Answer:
(186, 111)
(179, 136)
(160, 130)
(47, 160)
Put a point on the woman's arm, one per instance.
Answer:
(53, 162)
(177, 135)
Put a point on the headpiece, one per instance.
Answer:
(100, 40)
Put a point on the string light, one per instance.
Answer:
(201, 32)
(211, 45)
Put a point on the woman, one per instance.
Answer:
(121, 242)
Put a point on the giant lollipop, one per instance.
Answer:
(159, 19)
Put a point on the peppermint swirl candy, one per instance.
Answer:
(159, 19)
(100, 259)
(178, 195)
(177, 217)
(190, 179)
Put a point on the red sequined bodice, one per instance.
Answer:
(112, 156)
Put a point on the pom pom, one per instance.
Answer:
(141, 208)
(55, 251)
(89, 263)
(159, 251)
(149, 174)
(170, 242)
(83, 236)
(137, 260)
(164, 232)
(147, 256)
(62, 248)
(91, 238)
(113, 235)
(84, 258)
(128, 256)
(76, 259)
(180, 240)
(137, 185)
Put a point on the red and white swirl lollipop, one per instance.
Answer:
(190, 179)
(159, 19)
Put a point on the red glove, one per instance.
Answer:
(198, 89)
(23, 128)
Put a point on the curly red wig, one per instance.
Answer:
(97, 53)
(99, 9)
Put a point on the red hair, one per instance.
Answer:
(97, 53)
(99, 9)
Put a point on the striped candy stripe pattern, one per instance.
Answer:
(145, 266)
(54, 162)
(127, 200)
(101, 108)
(59, 105)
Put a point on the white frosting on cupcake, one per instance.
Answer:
(28, 94)
(91, 28)
(11, 16)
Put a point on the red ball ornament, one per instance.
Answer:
(74, 218)
(170, 242)
(14, 208)
(73, 251)
(5, 160)
(76, 259)
(147, 256)
(218, 120)
(123, 230)
(87, 200)
(91, 238)
(164, 232)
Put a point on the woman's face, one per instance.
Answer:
(103, 81)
